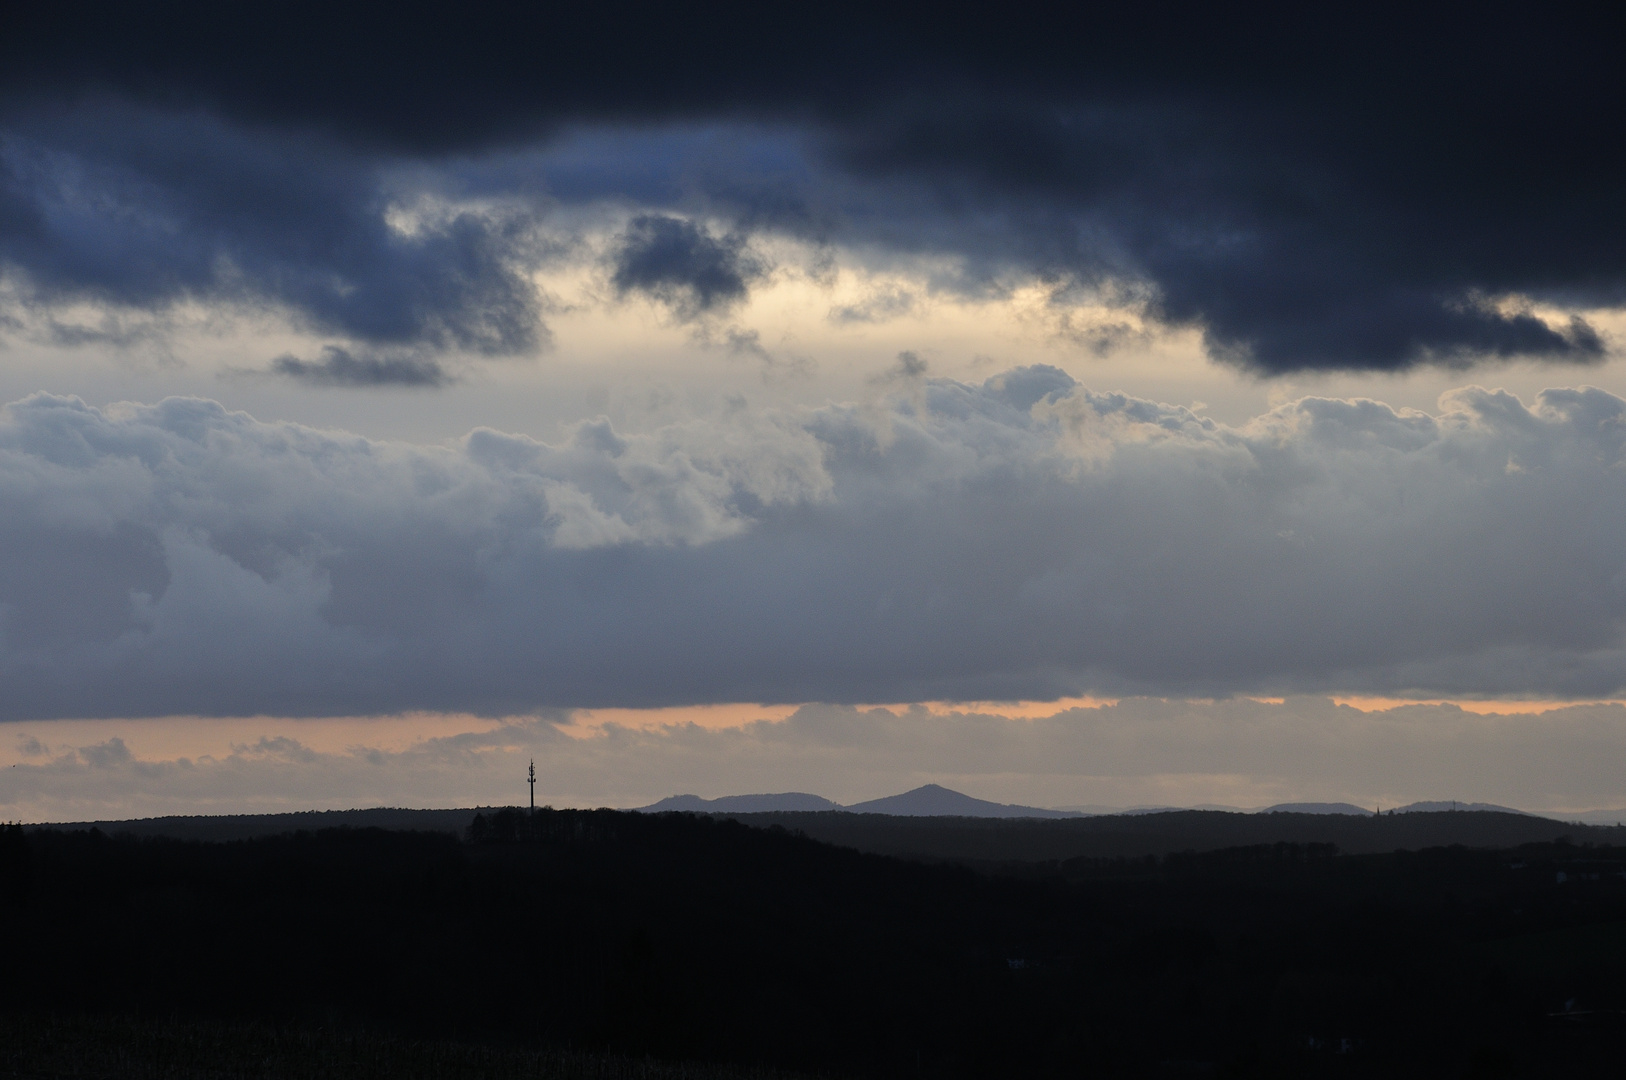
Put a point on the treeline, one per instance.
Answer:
(690, 938)
(983, 840)
(221, 827)
(1010, 840)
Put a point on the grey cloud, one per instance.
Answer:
(342, 367)
(1025, 538)
(908, 366)
(683, 266)
(881, 306)
(748, 343)
(742, 342)
(279, 747)
(106, 755)
(1024, 387)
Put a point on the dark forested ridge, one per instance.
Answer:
(977, 840)
(982, 841)
(692, 938)
(253, 826)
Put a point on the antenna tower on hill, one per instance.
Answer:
(533, 787)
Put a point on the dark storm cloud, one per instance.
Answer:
(1315, 187)
(682, 265)
(341, 367)
(1287, 253)
(136, 208)
(1020, 539)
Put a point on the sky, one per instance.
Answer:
(1151, 404)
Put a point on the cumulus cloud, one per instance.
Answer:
(1312, 188)
(1025, 538)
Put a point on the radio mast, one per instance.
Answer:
(533, 787)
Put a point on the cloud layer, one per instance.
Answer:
(1322, 189)
(1025, 538)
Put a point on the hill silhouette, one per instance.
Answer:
(741, 804)
(1435, 806)
(934, 800)
(1315, 808)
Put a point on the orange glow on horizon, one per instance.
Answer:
(1483, 708)
(170, 738)
(721, 717)
(585, 722)
(1015, 710)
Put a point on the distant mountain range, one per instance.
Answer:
(934, 800)
(1436, 807)
(931, 800)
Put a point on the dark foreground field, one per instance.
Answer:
(598, 943)
(147, 1048)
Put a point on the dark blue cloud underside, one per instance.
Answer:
(144, 209)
